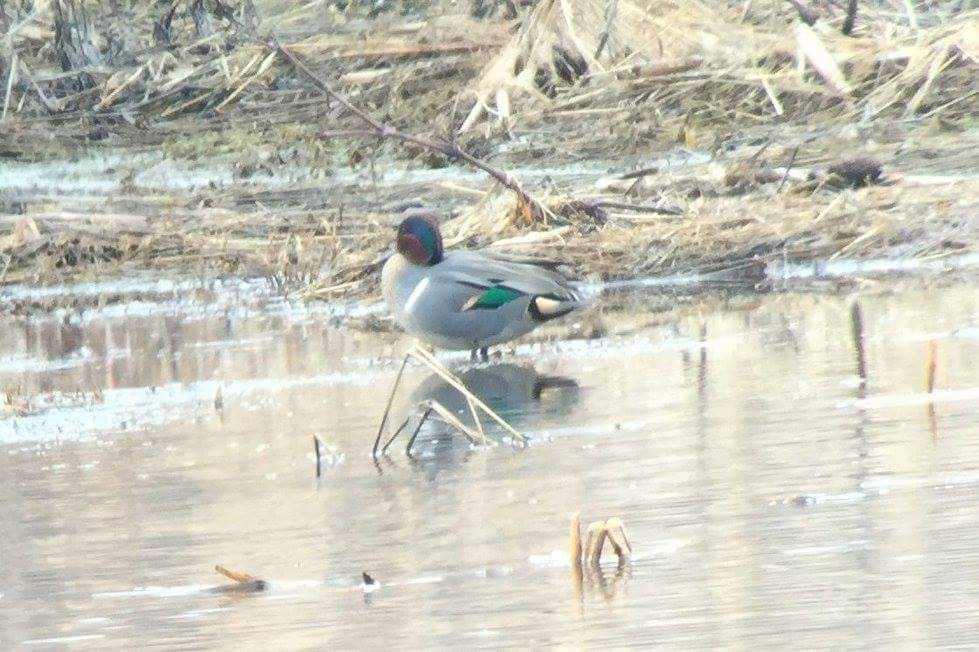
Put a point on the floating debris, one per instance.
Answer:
(245, 583)
(369, 584)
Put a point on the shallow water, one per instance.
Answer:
(783, 475)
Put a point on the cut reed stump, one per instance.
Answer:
(597, 533)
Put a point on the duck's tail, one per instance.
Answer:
(545, 308)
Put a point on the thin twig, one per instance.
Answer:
(639, 208)
(414, 434)
(788, 168)
(387, 409)
(640, 173)
(450, 149)
(384, 449)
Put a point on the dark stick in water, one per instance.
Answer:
(316, 449)
(418, 428)
(387, 408)
(856, 329)
(404, 424)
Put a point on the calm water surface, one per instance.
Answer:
(784, 477)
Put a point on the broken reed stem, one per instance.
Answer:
(237, 576)
(617, 536)
(111, 97)
(449, 149)
(262, 68)
(574, 540)
(451, 419)
(474, 436)
(597, 533)
(476, 419)
(595, 542)
(429, 360)
(931, 366)
(245, 583)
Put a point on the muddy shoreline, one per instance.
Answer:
(110, 213)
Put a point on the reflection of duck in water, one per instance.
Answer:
(516, 393)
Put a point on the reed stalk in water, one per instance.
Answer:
(476, 406)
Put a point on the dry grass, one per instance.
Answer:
(748, 85)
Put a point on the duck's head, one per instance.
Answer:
(419, 239)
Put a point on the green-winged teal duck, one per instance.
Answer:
(467, 300)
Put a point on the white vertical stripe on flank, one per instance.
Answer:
(416, 294)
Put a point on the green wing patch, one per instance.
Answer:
(494, 297)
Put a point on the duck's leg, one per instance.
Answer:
(484, 354)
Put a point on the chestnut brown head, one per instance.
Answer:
(419, 239)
